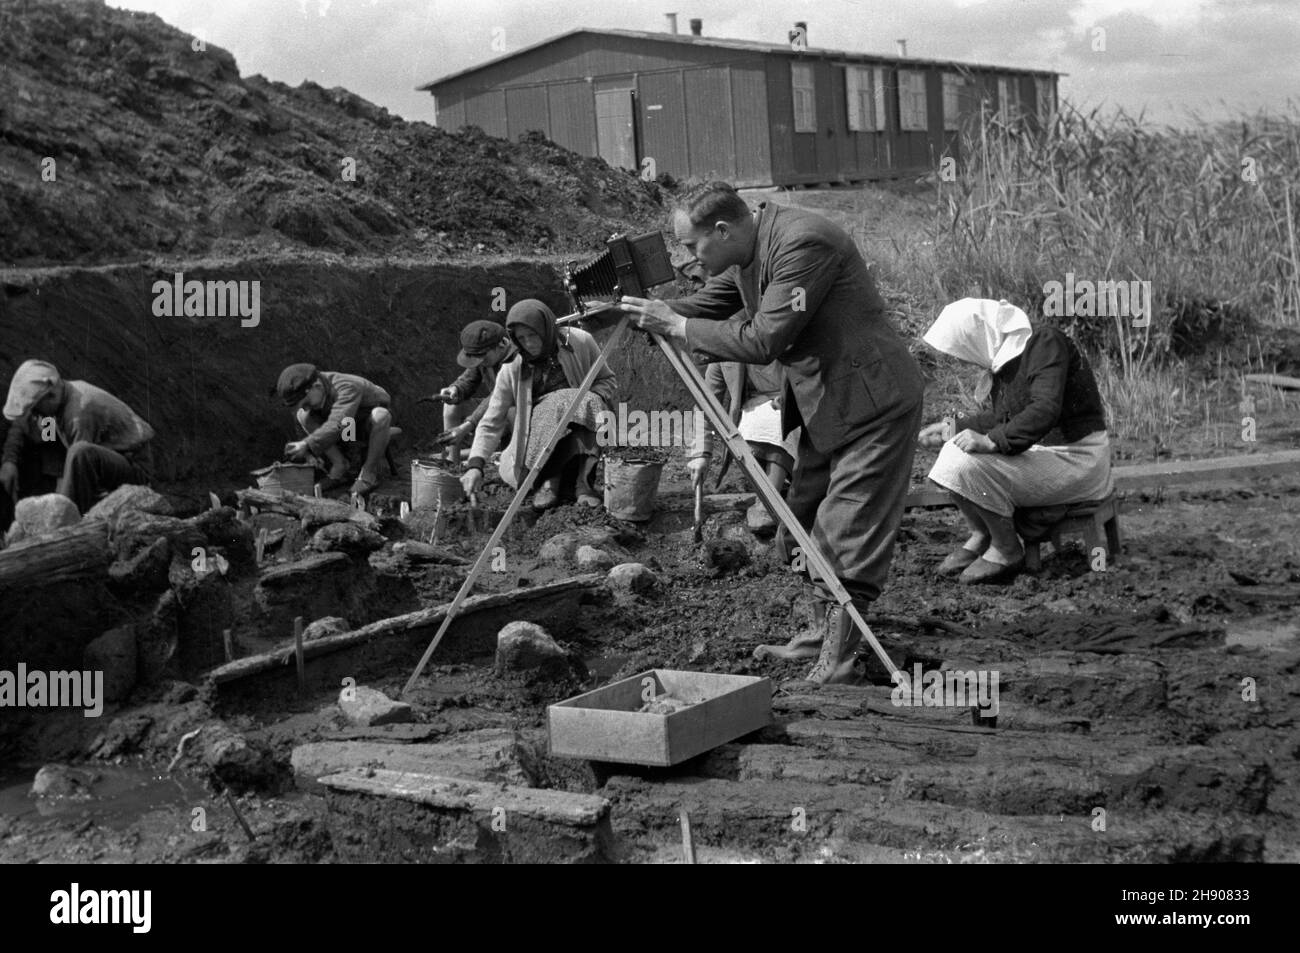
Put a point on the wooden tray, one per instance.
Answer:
(606, 724)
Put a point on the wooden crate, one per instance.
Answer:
(606, 725)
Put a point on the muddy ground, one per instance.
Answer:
(1121, 692)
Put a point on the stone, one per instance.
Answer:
(592, 559)
(40, 516)
(234, 760)
(114, 653)
(328, 625)
(346, 538)
(562, 547)
(59, 781)
(146, 570)
(368, 706)
(130, 497)
(633, 577)
(523, 646)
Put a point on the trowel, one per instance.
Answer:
(699, 511)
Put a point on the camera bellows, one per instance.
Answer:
(628, 266)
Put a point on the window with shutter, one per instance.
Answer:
(805, 101)
(911, 101)
(952, 86)
(878, 97)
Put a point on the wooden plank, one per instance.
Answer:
(1150, 476)
(479, 797)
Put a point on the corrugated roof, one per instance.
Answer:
(726, 44)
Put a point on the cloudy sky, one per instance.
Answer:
(1216, 58)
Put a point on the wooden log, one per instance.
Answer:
(1275, 380)
(76, 552)
(396, 627)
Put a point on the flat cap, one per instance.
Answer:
(294, 382)
(476, 340)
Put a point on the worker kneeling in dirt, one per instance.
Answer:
(333, 407)
(752, 393)
(1042, 443)
(485, 348)
(71, 438)
(540, 382)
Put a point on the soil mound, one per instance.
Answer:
(123, 137)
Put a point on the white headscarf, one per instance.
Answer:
(982, 331)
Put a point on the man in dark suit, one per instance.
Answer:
(850, 382)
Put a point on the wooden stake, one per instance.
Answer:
(297, 652)
(248, 831)
(228, 643)
(260, 544)
(404, 511)
(688, 844)
(316, 488)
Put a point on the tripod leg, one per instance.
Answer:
(524, 488)
(775, 503)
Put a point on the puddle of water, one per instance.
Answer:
(1274, 636)
(120, 795)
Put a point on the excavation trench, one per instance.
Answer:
(1117, 695)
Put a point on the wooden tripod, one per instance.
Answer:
(722, 424)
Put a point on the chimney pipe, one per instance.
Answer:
(902, 47)
(697, 27)
(672, 22)
(799, 35)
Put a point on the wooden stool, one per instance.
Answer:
(1095, 520)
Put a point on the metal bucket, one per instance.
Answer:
(630, 488)
(287, 478)
(431, 485)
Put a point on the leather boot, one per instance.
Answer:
(836, 664)
(806, 643)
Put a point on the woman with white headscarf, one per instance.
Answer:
(1041, 443)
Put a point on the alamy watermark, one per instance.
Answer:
(655, 428)
(74, 906)
(41, 689)
(208, 299)
(1101, 299)
(947, 689)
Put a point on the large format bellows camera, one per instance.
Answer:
(628, 266)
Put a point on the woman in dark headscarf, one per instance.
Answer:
(541, 383)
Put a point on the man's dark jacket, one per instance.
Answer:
(810, 303)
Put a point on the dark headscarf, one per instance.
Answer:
(533, 314)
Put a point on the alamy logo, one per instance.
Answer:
(103, 906)
(208, 299)
(38, 689)
(1102, 299)
(946, 689)
(658, 428)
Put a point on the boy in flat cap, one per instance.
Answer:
(71, 438)
(333, 407)
(484, 349)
